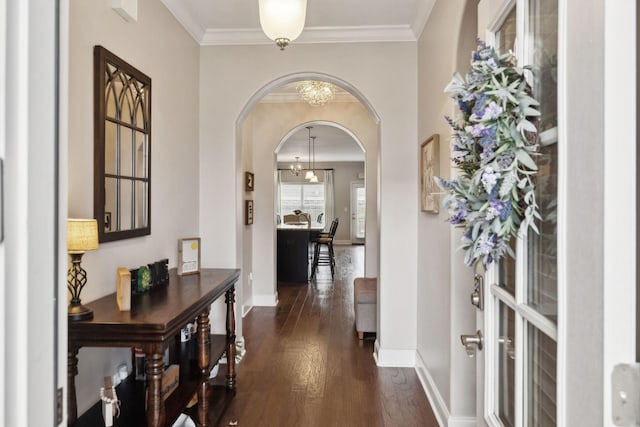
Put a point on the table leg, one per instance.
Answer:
(155, 368)
(230, 299)
(204, 365)
(72, 371)
(203, 343)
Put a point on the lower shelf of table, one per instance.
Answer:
(131, 393)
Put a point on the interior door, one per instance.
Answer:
(518, 370)
(358, 210)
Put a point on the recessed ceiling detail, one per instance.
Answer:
(236, 22)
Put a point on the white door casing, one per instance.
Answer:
(358, 212)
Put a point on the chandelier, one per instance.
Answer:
(296, 168)
(282, 20)
(316, 93)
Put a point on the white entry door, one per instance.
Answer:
(358, 210)
(520, 318)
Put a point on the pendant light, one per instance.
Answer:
(282, 20)
(296, 168)
(309, 173)
(314, 178)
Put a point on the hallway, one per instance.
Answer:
(305, 367)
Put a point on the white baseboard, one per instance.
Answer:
(385, 357)
(246, 309)
(440, 410)
(462, 422)
(438, 404)
(265, 300)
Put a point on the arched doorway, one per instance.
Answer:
(260, 129)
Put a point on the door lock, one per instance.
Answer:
(477, 296)
(471, 343)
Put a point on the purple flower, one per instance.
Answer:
(479, 130)
(495, 209)
(492, 63)
(489, 179)
(492, 111)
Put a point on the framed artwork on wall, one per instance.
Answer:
(429, 167)
(248, 181)
(248, 212)
(189, 256)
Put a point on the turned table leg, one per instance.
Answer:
(204, 359)
(155, 368)
(230, 299)
(72, 371)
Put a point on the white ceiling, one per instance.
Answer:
(332, 144)
(236, 22)
(215, 22)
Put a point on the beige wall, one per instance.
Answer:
(384, 75)
(158, 46)
(444, 282)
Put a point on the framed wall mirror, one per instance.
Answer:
(122, 148)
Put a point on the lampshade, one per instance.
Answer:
(314, 178)
(82, 235)
(309, 174)
(282, 20)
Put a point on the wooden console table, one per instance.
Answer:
(152, 324)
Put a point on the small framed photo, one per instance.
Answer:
(248, 181)
(189, 256)
(248, 212)
(429, 167)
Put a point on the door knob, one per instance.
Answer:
(471, 343)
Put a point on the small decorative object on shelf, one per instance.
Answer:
(493, 144)
(123, 289)
(189, 256)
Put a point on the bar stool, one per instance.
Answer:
(327, 257)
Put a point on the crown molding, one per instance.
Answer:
(311, 35)
(422, 15)
(182, 15)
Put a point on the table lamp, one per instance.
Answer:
(82, 236)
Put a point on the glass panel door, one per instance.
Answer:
(522, 306)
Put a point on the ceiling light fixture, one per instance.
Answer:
(282, 20)
(309, 173)
(314, 178)
(316, 93)
(296, 168)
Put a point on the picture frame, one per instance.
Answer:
(430, 167)
(248, 212)
(189, 256)
(248, 181)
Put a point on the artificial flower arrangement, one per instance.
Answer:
(493, 145)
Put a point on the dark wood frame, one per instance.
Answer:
(101, 57)
(429, 202)
(248, 212)
(249, 183)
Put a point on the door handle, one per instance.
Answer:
(471, 343)
(508, 346)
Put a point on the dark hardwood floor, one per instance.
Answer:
(304, 365)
